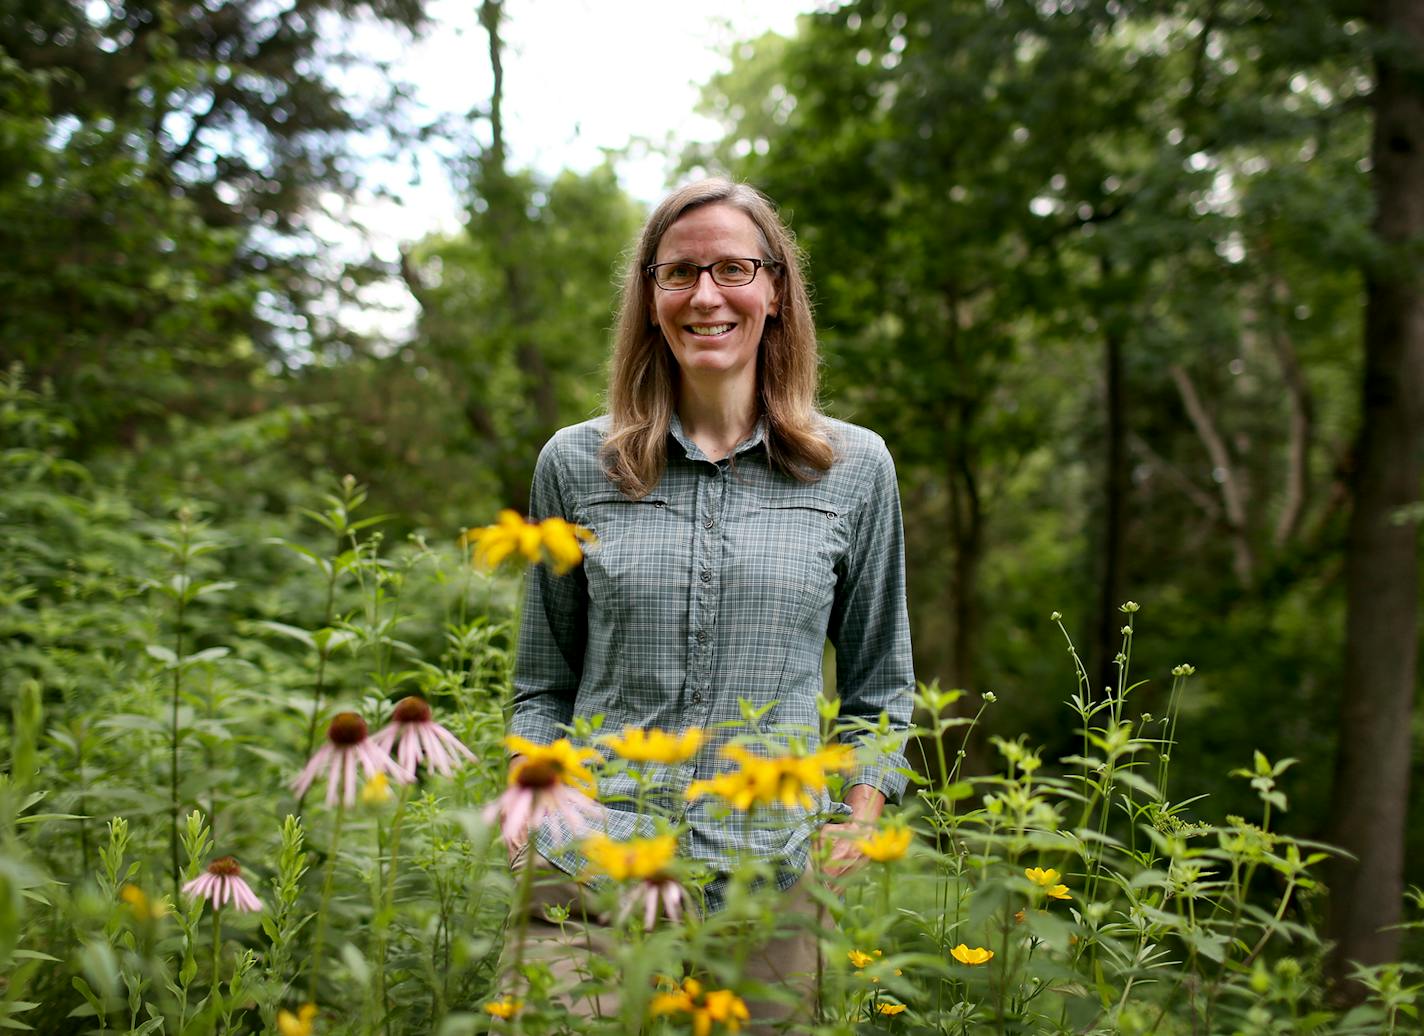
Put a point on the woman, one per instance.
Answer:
(737, 529)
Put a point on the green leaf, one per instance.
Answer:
(161, 653)
(293, 632)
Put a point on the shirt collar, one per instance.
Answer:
(694, 452)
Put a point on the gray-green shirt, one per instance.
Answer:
(721, 584)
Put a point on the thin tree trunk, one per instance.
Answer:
(1302, 415)
(1233, 500)
(506, 209)
(1371, 792)
(1110, 592)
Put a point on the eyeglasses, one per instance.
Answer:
(729, 273)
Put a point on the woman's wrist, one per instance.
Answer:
(866, 803)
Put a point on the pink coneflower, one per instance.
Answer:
(221, 884)
(649, 893)
(548, 780)
(347, 750)
(413, 737)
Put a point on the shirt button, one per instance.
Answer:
(697, 697)
(829, 514)
(701, 636)
(706, 576)
(709, 523)
(658, 503)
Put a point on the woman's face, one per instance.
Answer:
(711, 329)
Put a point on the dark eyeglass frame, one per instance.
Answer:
(756, 264)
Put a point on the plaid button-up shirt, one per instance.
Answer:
(721, 584)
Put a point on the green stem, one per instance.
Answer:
(326, 888)
(173, 747)
(217, 960)
(526, 894)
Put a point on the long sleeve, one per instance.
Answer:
(553, 629)
(870, 626)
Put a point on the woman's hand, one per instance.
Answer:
(866, 805)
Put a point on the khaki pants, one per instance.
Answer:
(788, 960)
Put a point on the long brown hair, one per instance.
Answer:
(643, 385)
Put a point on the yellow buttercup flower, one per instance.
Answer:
(860, 958)
(655, 746)
(546, 765)
(885, 846)
(1048, 881)
(977, 955)
(376, 791)
(704, 1007)
(639, 859)
(506, 1008)
(887, 1008)
(553, 538)
(303, 1023)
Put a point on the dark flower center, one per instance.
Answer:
(412, 710)
(539, 774)
(346, 728)
(224, 866)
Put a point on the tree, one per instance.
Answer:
(1369, 806)
(516, 310)
(168, 124)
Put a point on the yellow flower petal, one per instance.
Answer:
(376, 791)
(977, 955)
(859, 958)
(1042, 877)
(545, 765)
(639, 859)
(885, 846)
(300, 1024)
(655, 746)
(506, 1008)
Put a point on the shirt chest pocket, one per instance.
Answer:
(783, 559)
(637, 562)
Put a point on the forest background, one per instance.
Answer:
(1130, 289)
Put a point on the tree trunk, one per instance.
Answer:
(1109, 620)
(1371, 790)
(506, 208)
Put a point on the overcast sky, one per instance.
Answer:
(579, 76)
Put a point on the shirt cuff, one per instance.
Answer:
(885, 777)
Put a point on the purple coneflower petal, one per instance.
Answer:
(313, 767)
(518, 813)
(349, 778)
(453, 743)
(435, 753)
(243, 897)
(577, 809)
(672, 900)
(650, 898)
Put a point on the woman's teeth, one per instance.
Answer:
(710, 329)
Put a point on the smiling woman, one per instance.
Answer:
(737, 529)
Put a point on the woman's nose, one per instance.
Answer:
(706, 292)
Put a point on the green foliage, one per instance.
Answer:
(1007, 194)
(482, 328)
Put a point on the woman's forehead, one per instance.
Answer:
(716, 231)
